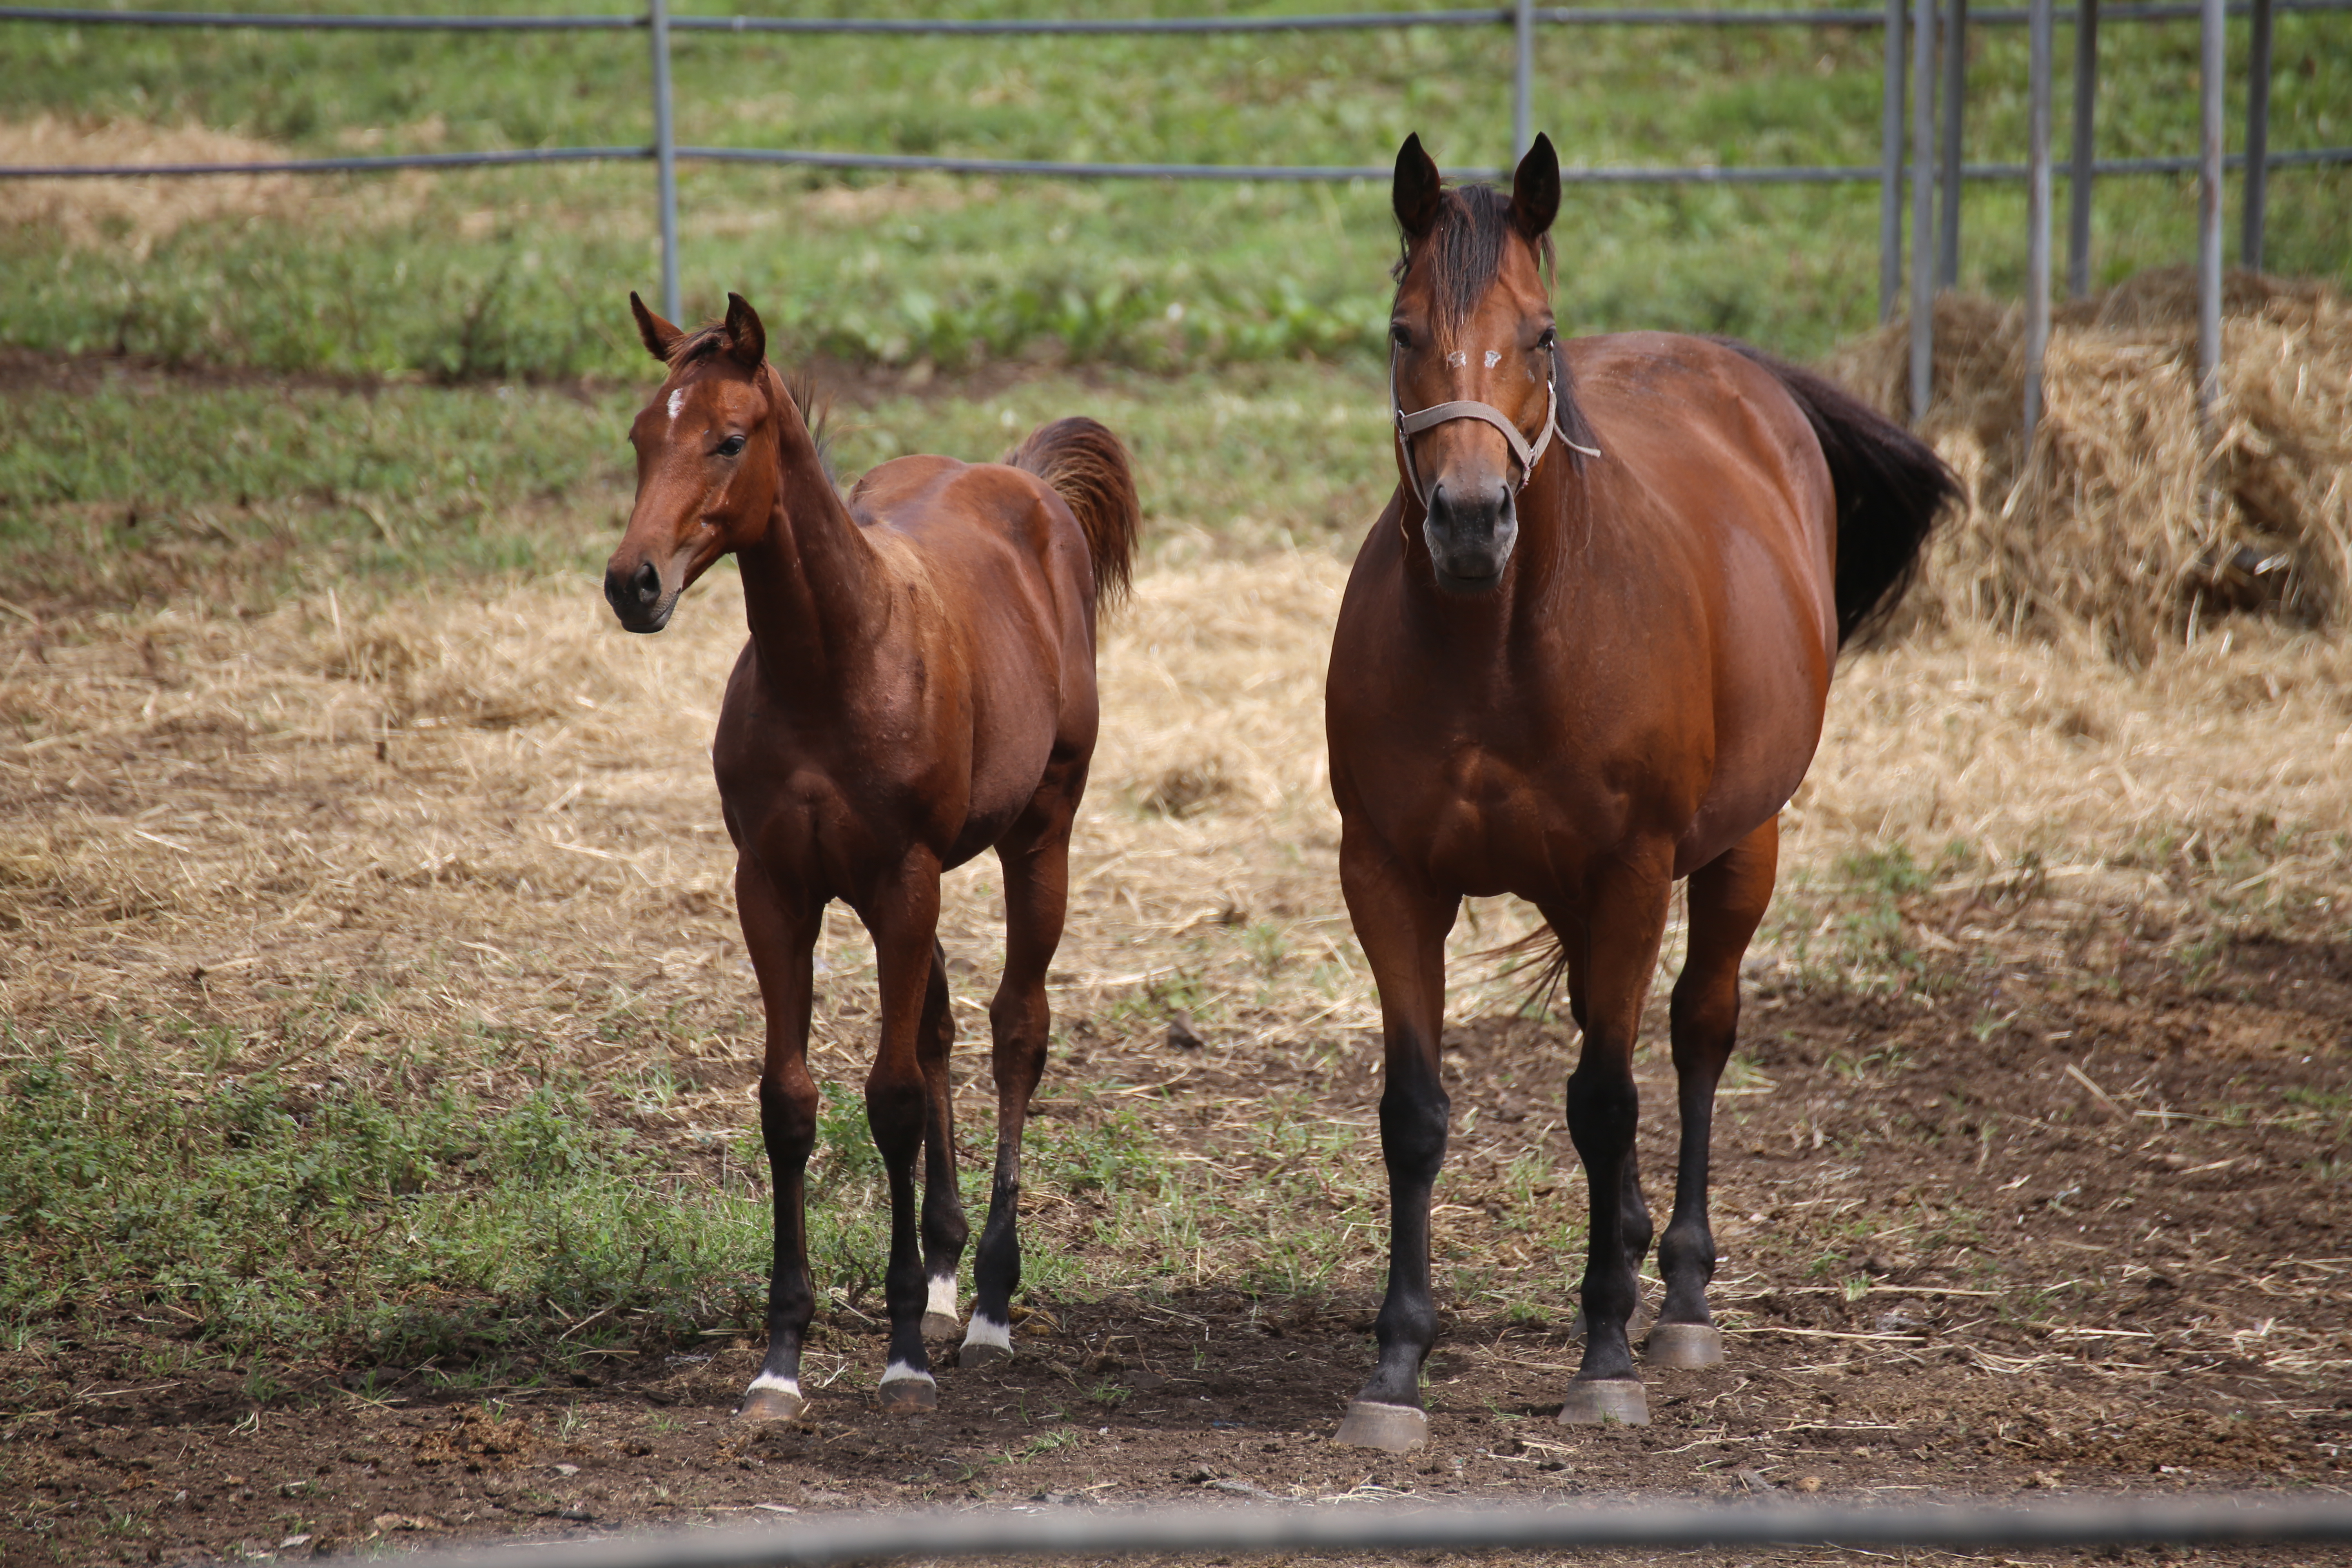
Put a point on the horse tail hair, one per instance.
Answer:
(1087, 468)
(1543, 950)
(1891, 488)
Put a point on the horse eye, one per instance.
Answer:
(729, 447)
(1550, 338)
(1401, 334)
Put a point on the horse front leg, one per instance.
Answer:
(1036, 863)
(904, 917)
(1402, 928)
(780, 934)
(1727, 897)
(1632, 1208)
(1628, 920)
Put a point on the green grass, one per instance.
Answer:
(492, 275)
(265, 1223)
(146, 489)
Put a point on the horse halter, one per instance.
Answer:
(1408, 426)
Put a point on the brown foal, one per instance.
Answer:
(1585, 653)
(919, 687)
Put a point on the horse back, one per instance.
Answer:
(995, 569)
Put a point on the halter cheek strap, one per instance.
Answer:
(1408, 426)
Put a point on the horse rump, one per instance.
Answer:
(1087, 468)
(1891, 488)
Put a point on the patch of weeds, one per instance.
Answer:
(1041, 1444)
(384, 1226)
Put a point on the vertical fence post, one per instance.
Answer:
(2078, 183)
(1890, 168)
(2258, 137)
(1923, 203)
(1955, 83)
(2037, 208)
(1523, 72)
(665, 156)
(2209, 210)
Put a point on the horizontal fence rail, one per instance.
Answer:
(1386, 1529)
(1658, 174)
(1556, 16)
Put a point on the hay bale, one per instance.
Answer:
(2127, 525)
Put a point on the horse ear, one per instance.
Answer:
(658, 335)
(1535, 190)
(1415, 192)
(747, 339)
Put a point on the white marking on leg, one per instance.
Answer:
(677, 402)
(1493, 359)
(984, 1332)
(943, 1296)
(900, 1372)
(768, 1380)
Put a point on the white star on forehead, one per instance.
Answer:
(1457, 359)
(677, 402)
(1493, 359)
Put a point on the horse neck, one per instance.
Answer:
(812, 587)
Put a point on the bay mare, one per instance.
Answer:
(1584, 653)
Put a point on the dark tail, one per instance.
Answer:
(1891, 487)
(1087, 469)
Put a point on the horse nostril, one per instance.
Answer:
(648, 583)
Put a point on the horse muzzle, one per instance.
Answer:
(1470, 530)
(636, 596)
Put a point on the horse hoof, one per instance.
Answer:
(1597, 1401)
(1395, 1429)
(907, 1396)
(941, 1326)
(1682, 1346)
(980, 1352)
(771, 1401)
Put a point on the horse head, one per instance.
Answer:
(709, 461)
(1475, 378)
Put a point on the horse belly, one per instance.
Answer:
(1769, 700)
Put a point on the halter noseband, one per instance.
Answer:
(1408, 426)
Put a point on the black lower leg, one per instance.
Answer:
(1602, 1108)
(945, 1230)
(894, 1112)
(1414, 1114)
(996, 1266)
(788, 1125)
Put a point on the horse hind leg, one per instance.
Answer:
(1036, 896)
(1727, 898)
(944, 1229)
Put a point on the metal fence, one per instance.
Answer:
(1385, 1529)
(1925, 53)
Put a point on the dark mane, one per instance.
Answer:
(1466, 251)
(815, 408)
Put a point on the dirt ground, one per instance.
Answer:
(2136, 1277)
